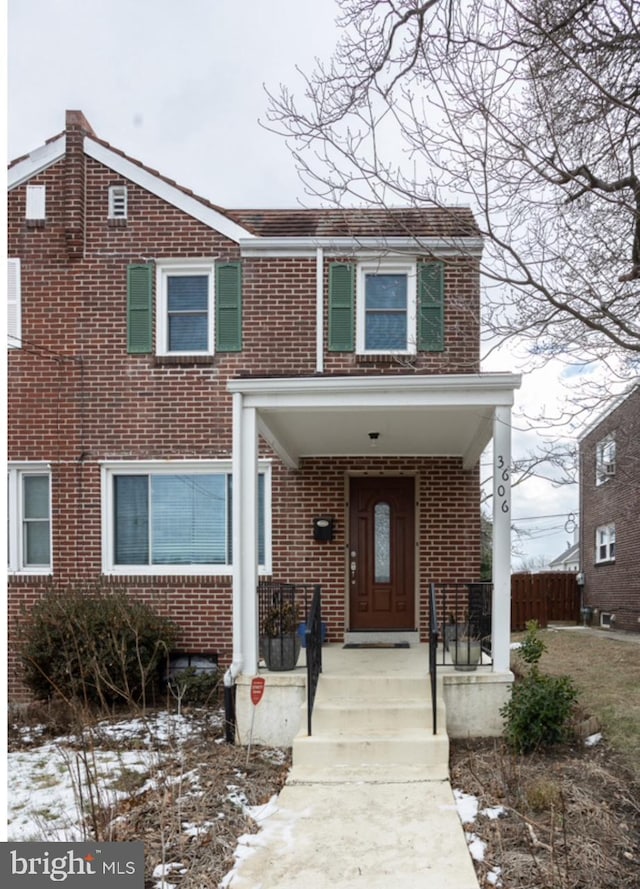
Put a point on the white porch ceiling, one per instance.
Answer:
(413, 415)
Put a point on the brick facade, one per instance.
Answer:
(612, 586)
(77, 398)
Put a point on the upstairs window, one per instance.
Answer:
(606, 543)
(605, 459)
(397, 307)
(386, 308)
(117, 202)
(29, 502)
(36, 203)
(185, 309)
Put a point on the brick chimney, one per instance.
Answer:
(76, 128)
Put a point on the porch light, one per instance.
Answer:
(373, 437)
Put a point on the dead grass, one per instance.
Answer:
(571, 819)
(607, 674)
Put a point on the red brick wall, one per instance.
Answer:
(614, 587)
(76, 397)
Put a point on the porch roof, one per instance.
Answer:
(414, 415)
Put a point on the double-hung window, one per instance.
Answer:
(174, 519)
(605, 459)
(29, 507)
(386, 308)
(185, 318)
(606, 543)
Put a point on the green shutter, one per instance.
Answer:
(341, 290)
(139, 308)
(431, 306)
(229, 307)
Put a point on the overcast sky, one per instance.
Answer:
(179, 85)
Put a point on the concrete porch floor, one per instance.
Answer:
(368, 801)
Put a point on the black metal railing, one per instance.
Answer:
(466, 618)
(288, 608)
(433, 654)
(313, 636)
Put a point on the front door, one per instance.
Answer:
(381, 553)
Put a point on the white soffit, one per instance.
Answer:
(413, 416)
(164, 190)
(36, 161)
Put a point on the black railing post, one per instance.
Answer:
(433, 649)
(313, 639)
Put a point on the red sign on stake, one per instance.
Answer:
(257, 690)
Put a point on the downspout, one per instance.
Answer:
(230, 701)
(319, 310)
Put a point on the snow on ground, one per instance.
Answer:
(47, 783)
(468, 811)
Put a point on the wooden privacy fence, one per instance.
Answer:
(549, 596)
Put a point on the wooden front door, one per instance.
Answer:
(381, 563)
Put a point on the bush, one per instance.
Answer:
(532, 647)
(190, 686)
(94, 646)
(539, 711)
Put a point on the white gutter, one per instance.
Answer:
(319, 310)
(356, 246)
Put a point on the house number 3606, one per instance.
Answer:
(503, 470)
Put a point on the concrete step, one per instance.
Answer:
(377, 689)
(374, 749)
(357, 717)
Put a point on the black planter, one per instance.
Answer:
(280, 652)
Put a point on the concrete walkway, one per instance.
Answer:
(367, 803)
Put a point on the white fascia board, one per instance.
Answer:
(444, 390)
(359, 247)
(38, 160)
(164, 190)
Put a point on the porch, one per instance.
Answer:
(377, 692)
(420, 436)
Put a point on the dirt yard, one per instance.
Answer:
(570, 819)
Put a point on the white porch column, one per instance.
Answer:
(245, 537)
(501, 606)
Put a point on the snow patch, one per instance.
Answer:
(467, 806)
(592, 740)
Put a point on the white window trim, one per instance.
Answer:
(14, 300)
(610, 531)
(166, 268)
(118, 197)
(605, 468)
(15, 561)
(384, 266)
(171, 467)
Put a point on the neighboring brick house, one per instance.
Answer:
(609, 514)
(165, 351)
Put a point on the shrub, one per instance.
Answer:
(194, 687)
(94, 646)
(532, 647)
(538, 713)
